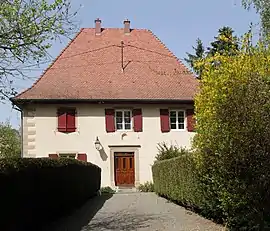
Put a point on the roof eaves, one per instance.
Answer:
(100, 101)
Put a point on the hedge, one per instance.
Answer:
(38, 190)
(176, 180)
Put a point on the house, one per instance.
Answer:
(109, 98)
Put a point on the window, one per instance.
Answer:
(123, 119)
(66, 120)
(177, 119)
(67, 155)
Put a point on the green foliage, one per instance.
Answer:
(176, 179)
(27, 30)
(263, 8)
(146, 187)
(225, 43)
(34, 191)
(199, 54)
(10, 141)
(107, 190)
(233, 137)
(168, 152)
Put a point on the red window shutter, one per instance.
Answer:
(71, 120)
(137, 120)
(109, 120)
(190, 120)
(82, 157)
(53, 156)
(62, 121)
(164, 120)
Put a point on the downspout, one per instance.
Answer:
(21, 112)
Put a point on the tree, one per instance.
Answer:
(27, 30)
(263, 8)
(233, 136)
(199, 54)
(225, 43)
(10, 141)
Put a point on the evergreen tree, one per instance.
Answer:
(225, 43)
(199, 54)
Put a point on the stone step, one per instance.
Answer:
(126, 190)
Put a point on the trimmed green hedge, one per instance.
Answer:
(176, 180)
(38, 190)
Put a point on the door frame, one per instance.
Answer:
(127, 148)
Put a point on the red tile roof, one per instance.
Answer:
(90, 67)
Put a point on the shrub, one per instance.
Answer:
(34, 191)
(176, 179)
(167, 152)
(146, 187)
(233, 137)
(10, 141)
(107, 190)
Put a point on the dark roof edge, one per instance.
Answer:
(21, 102)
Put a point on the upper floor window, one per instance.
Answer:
(66, 119)
(177, 119)
(123, 119)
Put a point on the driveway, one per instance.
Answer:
(133, 211)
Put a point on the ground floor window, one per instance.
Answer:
(67, 155)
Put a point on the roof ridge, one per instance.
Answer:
(170, 52)
(53, 62)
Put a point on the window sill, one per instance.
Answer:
(124, 131)
(67, 132)
(178, 130)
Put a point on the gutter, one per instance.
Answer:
(21, 112)
(21, 102)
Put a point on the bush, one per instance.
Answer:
(233, 137)
(107, 190)
(10, 141)
(167, 152)
(176, 179)
(146, 187)
(34, 191)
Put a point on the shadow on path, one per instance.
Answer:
(122, 221)
(79, 218)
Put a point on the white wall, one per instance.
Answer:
(42, 138)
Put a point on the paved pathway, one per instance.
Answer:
(134, 211)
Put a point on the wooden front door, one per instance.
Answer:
(124, 169)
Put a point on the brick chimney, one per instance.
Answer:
(126, 26)
(98, 26)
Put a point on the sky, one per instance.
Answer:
(177, 23)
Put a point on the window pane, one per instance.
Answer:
(119, 114)
(119, 126)
(181, 126)
(181, 120)
(181, 114)
(118, 120)
(127, 126)
(173, 120)
(127, 114)
(127, 120)
(173, 126)
(172, 113)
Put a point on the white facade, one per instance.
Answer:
(41, 137)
